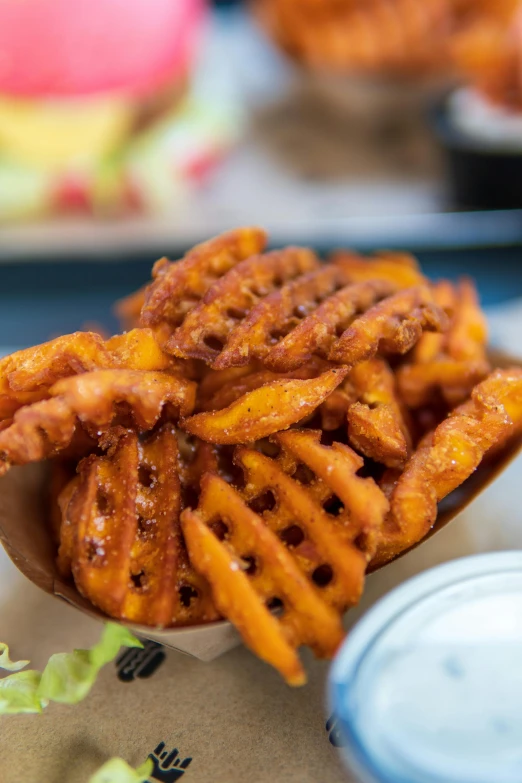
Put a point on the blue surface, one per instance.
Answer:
(41, 300)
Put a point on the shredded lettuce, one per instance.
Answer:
(118, 771)
(67, 678)
(7, 663)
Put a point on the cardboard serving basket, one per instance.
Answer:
(26, 539)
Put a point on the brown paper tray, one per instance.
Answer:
(25, 537)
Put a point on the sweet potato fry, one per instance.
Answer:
(399, 269)
(206, 329)
(178, 287)
(250, 568)
(335, 468)
(317, 333)
(417, 382)
(392, 326)
(128, 310)
(26, 376)
(457, 360)
(448, 457)
(277, 314)
(96, 400)
(127, 553)
(377, 423)
(268, 409)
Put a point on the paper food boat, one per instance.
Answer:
(26, 539)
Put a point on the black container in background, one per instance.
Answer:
(480, 177)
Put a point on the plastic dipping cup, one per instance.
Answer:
(427, 688)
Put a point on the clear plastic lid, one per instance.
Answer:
(428, 686)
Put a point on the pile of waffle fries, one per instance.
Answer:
(397, 38)
(269, 427)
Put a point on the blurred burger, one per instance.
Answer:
(92, 94)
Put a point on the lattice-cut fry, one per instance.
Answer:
(317, 333)
(376, 422)
(431, 344)
(454, 362)
(93, 396)
(268, 409)
(277, 314)
(400, 269)
(393, 326)
(376, 433)
(179, 286)
(96, 400)
(128, 310)
(206, 329)
(335, 469)
(26, 376)
(417, 382)
(123, 519)
(138, 350)
(39, 367)
(468, 335)
(241, 384)
(248, 569)
(448, 456)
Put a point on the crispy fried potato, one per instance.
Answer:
(417, 382)
(248, 570)
(376, 433)
(335, 468)
(268, 409)
(399, 269)
(453, 362)
(392, 326)
(94, 400)
(127, 552)
(128, 310)
(277, 314)
(317, 333)
(207, 328)
(229, 392)
(448, 457)
(26, 376)
(377, 423)
(177, 287)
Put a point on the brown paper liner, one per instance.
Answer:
(26, 539)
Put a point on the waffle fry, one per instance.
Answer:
(205, 330)
(26, 376)
(128, 310)
(123, 519)
(318, 332)
(177, 287)
(95, 400)
(453, 362)
(377, 424)
(259, 413)
(251, 565)
(277, 314)
(243, 597)
(448, 456)
(392, 326)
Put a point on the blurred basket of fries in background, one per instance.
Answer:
(268, 429)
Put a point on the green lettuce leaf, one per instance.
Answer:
(7, 663)
(118, 771)
(18, 693)
(67, 678)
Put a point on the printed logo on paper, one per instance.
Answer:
(168, 766)
(334, 733)
(140, 662)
